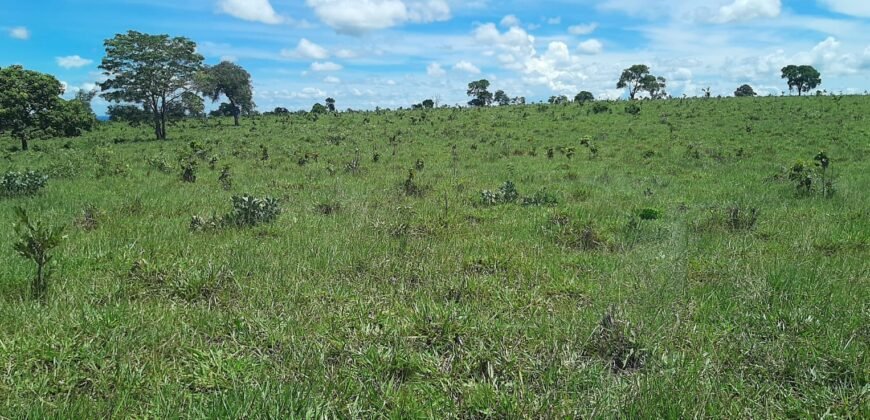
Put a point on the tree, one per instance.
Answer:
(637, 78)
(131, 114)
(27, 99)
(802, 78)
(330, 104)
(501, 98)
(428, 104)
(558, 100)
(519, 100)
(479, 93)
(71, 118)
(584, 97)
(744, 90)
(318, 108)
(152, 70)
(230, 80)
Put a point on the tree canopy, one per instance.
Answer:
(744, 90)
(479, 93)
(637, 78)
(30, 102)
(801, 78)
(152, 70)
(232, 81)
(584, 97)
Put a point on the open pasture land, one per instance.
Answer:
(663, 264)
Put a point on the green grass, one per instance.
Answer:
(364, 301)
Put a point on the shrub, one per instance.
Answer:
(507, 193)
(16, 184)
(35, 242)
(616, 343)
(600, 108)
(247, 212)
(632, 109)
(811, 178)
(649, 214)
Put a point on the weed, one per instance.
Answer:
(35, 242)
(16, 184)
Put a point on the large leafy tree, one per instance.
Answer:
(27, 101)
(583, 97)
(744, 91)
(801, 78)
(330, 104)
(637, 78)
(230, 80)
(479, 93)
(501, 98)
(152, 70)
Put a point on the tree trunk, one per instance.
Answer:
(236, 112)
(24, 145)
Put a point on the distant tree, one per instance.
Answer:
(584, 97)
(479, 93)
(318, 108)
(230, 80)
(501, 98)
(801, 78)
(428, 104)
(558, 100)
(281, 111)
(27, 100)
(519, 100)
(637, 78)
(130, 114)
(152, 70)
(223, 110)
(744, 90)
(191, 105)
(707, 92)
(330, 104)
(71, 118)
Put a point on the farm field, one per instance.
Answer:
(654, 265)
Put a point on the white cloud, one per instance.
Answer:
(325, 66)
(741, 10)
(308, 49)
(20, 33)
(510, 21)
(554, 20)
(466, 67)
(584, 29)
(331, 80)
(591, 46)
(849, 7)
(252, 10)
(359, 16)
(435, 70)
(346, 54)
(72, 62)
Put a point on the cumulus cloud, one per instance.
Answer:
(251, 10)
(591, 46)
(435, 70)
(741, 10)
(466, 67)
(308, 49)
(510, 21)
(584, 29)
(359, 16)
(325, 66)
(72, 62)
(20, 32)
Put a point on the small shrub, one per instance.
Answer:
(616, 343)
(15, 184)
(507, 193)
(188, 169)
(632, 109)
(411, 187)
(226, 178)
(35, 242)
(160, 164)
(249, 211)
(649, 214)
(600, 108)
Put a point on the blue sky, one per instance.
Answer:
(391, 53)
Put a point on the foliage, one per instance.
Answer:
(230, 80)
(35, 242)
(814, 177)
(16, 184)
(632, 109)
(479, 94)
(507, 193)
(801, 78)
(29, 102)
(744, 91)
(151, 70)
(583, 97)
(637, 78)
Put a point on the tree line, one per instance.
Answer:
(157, 78)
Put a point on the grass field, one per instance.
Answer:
(635, 282)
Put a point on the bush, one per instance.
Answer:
(15, 184)
(600, 108)
(632, 109)
(247, 212)
(649, 214)
(507, 193)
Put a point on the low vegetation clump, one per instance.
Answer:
(36, 241)
(247, 212)
(16, 184)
